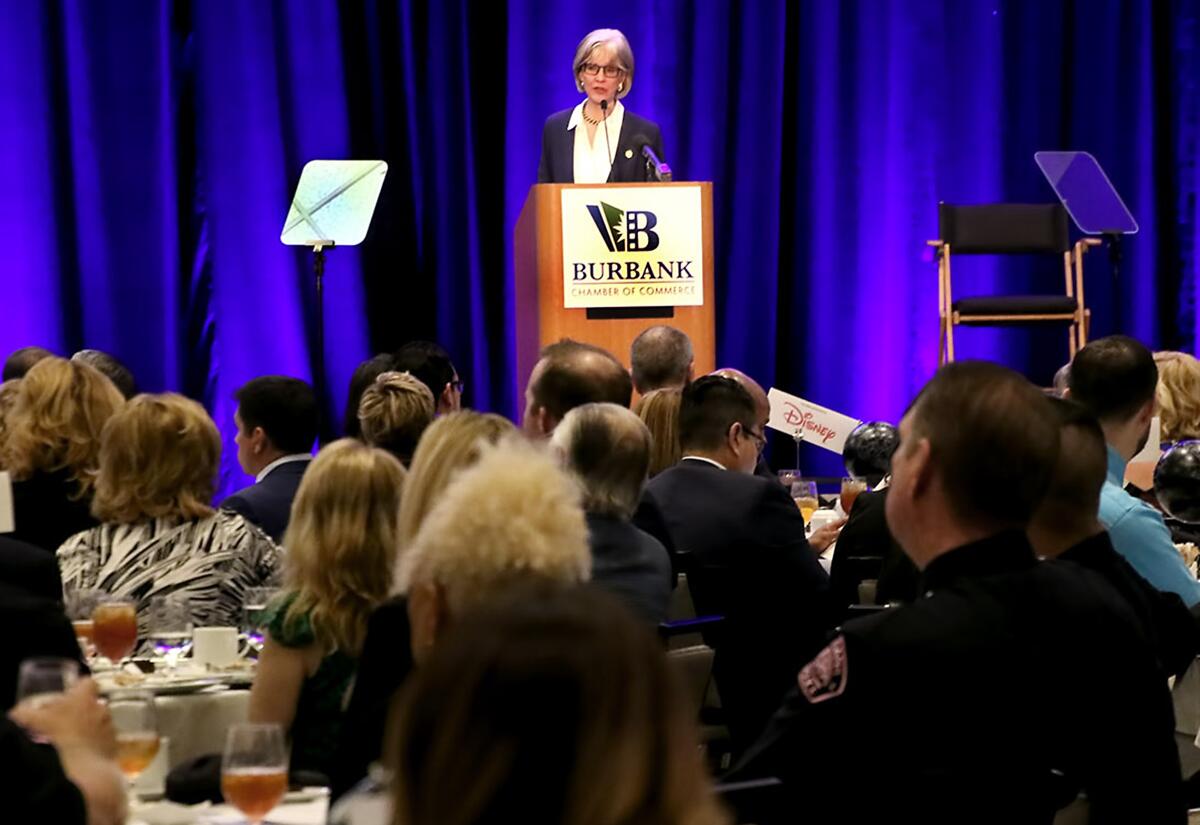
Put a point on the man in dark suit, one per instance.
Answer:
(567, 375)
(867, 550)
(37, 627)
(276, 422)
(31, 569)
(1009, 682)
(607, 448)
(740, 539)
(431, 365)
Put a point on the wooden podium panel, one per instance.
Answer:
(541, 317)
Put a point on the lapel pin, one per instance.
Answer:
(628, 153)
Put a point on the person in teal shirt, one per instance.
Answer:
(1115, 378)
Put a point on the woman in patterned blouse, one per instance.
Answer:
(158, 467)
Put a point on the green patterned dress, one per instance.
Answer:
(317, 727)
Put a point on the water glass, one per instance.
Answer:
(43, 678)
(169, 620)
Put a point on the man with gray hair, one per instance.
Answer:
(661, 357)
(607, 448)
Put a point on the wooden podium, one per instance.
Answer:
(542, 318)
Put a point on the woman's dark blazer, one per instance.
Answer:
(558, 149)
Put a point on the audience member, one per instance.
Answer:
(363, 377)
(659, 411)
(29, 568)
(432, 366)
(999, 685)
(740, 539)
(394, 412)
(341, 549)
(570, 374)
(111, 368)
(762, 414)
(607, 448)
(513, 517)
(159, 458)
(452, 444)
(73, 781)
(661, 358)
(1065, 526)
(276, 421)
(1062, 380)
(37, 626)
(1116, 379)
(21, 360)
(1178, 395)
(547, 707)
(52, 448)
(8, 397)
(866, 545)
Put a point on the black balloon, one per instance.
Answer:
(1177, 481)
(868, 450)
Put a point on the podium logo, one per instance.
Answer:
(625, 230)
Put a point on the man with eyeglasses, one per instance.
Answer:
(740, 540)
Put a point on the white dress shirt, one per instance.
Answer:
(594, 162)
(285, 459)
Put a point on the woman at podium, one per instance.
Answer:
(599, 141)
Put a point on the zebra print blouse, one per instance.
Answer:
(211, 561)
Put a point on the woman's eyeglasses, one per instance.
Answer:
(593, 69)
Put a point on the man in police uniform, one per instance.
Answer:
(1009, 684)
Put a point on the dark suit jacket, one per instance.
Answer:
(961, 706)
(558, 149)
(632, 565)
(30, 569)
(1169, 625)
(385, 663)
(47, 511)
(36, 627)
(866, 536)
(269, 502)
(36, 789)
(740, 539)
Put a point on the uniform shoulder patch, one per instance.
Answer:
(824, 677)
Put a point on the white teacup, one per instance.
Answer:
(215, 646)
(820, 518)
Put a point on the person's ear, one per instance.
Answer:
(427, 617)
(258, 439)
(733, 436)
(920, 463)
(546, 421)
(445, 401)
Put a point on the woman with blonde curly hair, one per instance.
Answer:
(1178, 395)
(449, 446)
(52, 446)
(159, 535)
(341, 542)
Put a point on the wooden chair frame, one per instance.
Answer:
(948, 318)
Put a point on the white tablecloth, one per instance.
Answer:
(313, 812)
(196, 723)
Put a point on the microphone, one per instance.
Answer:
(661, 171)
(604, 120)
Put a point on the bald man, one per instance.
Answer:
(570, 374)
(762, 413)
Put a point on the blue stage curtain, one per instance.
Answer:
(149, 150)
